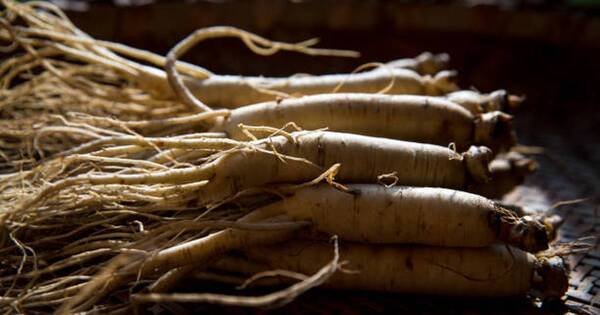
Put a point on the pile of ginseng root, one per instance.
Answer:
(126, 176)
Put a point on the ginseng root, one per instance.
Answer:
(403, 117)
(234, 91)
(301, 157)
(498, 270)
(374, 213)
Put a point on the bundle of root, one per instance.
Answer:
(124, 172)
(137, 216)
(58, 69)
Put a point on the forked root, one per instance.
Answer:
(272, 300)
(253, 41)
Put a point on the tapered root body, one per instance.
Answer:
(373, 213)
(479, 272)
(403, 117)
(236, 91)
(363, 160)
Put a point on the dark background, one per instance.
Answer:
(548, 51)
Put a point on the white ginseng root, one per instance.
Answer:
(372, 213)
(298, 158)
(402, 117)
(62, 38)
(492, 271)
